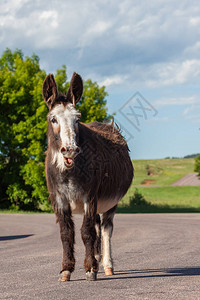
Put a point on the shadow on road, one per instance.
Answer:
(148, 273)
(154, 273)
(14, 237)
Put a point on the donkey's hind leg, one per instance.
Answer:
(107, 229)
(97, 244)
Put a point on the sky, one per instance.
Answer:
(146, 53)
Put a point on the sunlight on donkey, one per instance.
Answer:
(88, 170)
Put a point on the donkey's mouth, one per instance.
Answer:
(68, 162)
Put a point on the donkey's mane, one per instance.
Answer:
(108, 131)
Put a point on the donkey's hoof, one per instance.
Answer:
(109, 271)
(91, 276)
(65, 276)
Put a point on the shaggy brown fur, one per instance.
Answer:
(103, 171)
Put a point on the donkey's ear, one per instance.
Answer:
(75, 90)
(49, 90)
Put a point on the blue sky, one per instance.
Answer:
(142, 48)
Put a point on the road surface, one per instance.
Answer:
(190, 179)
(157, 256)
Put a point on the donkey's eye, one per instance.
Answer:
(53, 120)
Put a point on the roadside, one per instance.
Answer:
(190, 179)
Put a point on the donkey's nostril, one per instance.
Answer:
(77, 150)
(63, 149)
(70, 149)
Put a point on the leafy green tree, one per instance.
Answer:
(23, 131)
(23, 127)
(197, 165)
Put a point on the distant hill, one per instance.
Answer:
(162, 171)
(191, 155)
(187, 156)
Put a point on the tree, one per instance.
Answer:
(197, 165)
(23, 130)
(23, 127)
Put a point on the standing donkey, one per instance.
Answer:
(88, 170)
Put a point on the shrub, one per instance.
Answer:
(137, 199)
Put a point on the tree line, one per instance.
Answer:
(23, 127)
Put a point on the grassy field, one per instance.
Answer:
(164, 171)
(162, 198)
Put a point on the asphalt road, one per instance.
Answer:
(157, 256)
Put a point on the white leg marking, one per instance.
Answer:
(97, 256)
(86, 205)
(107, 258)
(97, 229)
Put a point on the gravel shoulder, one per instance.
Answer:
(190, 179)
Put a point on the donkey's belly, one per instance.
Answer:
(77, 207)
(103, 205)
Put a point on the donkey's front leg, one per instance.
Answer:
(88, 233)
(67, 237)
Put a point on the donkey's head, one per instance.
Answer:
(63, 120)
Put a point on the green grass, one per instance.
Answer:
(165, 198)
(14, 211)
(165, 171)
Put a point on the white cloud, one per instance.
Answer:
(173, 73)
(161, 119)
(188, 110)
(195, 21)
(181, 101)
(192, 112)
(99, 28)
(120, 42)
(112, 80)
(49, 18)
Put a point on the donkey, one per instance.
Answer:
(88, 170)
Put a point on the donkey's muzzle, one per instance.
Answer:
(69, 153)
(68, 150)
